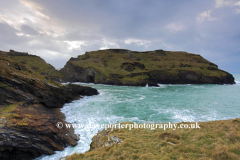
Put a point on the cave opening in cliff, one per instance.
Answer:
(91, 79)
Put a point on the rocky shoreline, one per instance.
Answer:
(31, 97)
(29, 111)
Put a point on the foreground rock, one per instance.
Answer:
(30, 131)
(131, 68)
(29, 112)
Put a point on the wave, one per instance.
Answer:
(237, 82)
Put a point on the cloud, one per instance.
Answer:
(28, 30)
(222, 3)
(137, 41)
(175, 27)
(234, 4)
(75, 44)
(205, 16)
(58, 30)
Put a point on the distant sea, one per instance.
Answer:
(163, 104)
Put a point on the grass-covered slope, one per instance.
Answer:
(29, 111)
(35, 63)
(125, 67)
(215, 140)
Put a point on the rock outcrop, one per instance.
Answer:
(105, 138)
(131, 68)
(30, 110)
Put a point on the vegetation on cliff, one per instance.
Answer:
(213, 140)
(29, 111)
(129, 68)
(125, 67)
(34, 63)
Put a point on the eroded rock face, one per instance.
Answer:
(29, 112)
(190, 77)
(105, 138)
(131, 68)
(32, 132)
(20, 88)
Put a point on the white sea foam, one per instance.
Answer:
(140, 105)
(199, 86)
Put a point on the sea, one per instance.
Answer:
(163, 104)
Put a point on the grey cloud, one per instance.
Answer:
(28, 30)
(8, 37)
(216, 38)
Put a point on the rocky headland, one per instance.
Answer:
(132, 68)
(34, 63)
(30, 109)
(129, 68)
(31, 98)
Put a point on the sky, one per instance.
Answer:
(57, 30)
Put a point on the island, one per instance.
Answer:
(132, 68)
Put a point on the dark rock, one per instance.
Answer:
(131, 66)
(77, 90)
(32, 132)
(160, 52)
(212, 68)
(28, 127)
(121, 51)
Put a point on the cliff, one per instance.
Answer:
(34, 63)
(29, 112)
(131, 68)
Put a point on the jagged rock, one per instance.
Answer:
(32, 132)
(77, 90)
(29, 112)
(105, 138)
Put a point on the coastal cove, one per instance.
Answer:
(163, 104)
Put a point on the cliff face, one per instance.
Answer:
(29, 112)
(34, 63)
(131, 68)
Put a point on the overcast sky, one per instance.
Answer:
(59, 29)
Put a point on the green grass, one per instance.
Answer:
(9, 108)
(3, 84)
(170, 63)
(35, 63)
(10, 69)
(214, 140)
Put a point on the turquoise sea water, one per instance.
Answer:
(166, 103)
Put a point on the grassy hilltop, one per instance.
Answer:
(125, 67)
(218, 140)
(129, 68)
(35, 63)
